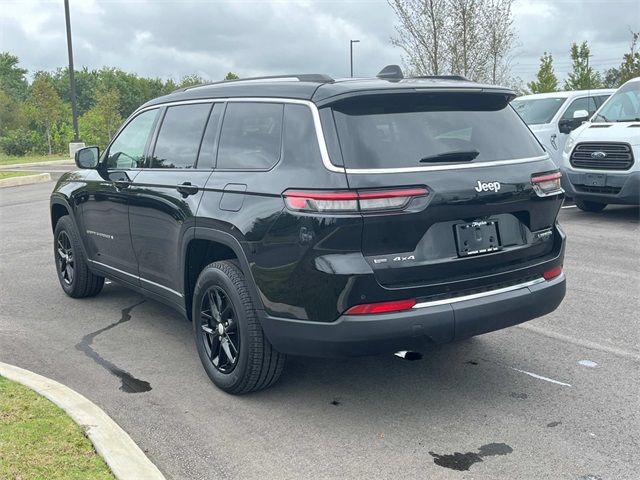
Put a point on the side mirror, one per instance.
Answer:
(580, 115)
(87, 157)
(566, 125)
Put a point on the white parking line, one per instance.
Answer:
(570, 206)
(540, 377)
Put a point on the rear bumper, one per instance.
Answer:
(619, 188)
(432, 323)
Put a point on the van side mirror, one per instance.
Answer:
(87, 157)
(580, 115)
(566, 125)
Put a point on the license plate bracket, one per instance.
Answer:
(596, 179)
(477, 237)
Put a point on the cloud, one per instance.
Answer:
(170, 39)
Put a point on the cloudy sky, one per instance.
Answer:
(171, 39)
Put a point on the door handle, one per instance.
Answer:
(121, 184)
(187, 189)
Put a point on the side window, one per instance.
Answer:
(300, 146)
(209, 146)
(127, 150)
(602, 98)
(586, 103)
(251, 136)
(180, 135)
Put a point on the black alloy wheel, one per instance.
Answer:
(65, 258)
(219, 328)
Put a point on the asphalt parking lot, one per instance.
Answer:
(558, 397)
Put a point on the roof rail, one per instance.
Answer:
(443, 77)
(298, 77)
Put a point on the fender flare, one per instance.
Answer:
(57, 199)
(228, 240)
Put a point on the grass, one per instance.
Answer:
(9, 160)
(4, 175)
(39, 441)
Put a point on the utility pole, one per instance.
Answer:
(351, 42)
(72, 79)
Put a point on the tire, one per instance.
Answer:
(588, 206)
(74, 275)
(224, 313)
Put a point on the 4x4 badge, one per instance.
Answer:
(487, 186)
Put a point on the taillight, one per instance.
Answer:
(351, 201)
(552, 273)
(382, 307)
(548, 184)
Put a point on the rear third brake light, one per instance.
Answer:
(351, 201)
(548, 184)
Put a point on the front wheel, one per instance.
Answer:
(231, 344)
(74, 275)
(588, 206)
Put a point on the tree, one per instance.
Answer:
(231, 76)
(468, 37)
(47, 106)
(500, 37)
(546, 77)
(421, 34)
(611, 78)
(582, 76)
(100, 123)
(630, 67)
(13, 78)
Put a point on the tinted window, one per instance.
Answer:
(300, 146)
(400, 130)
(207, 154)
(180, 134)
(586, 103)
(251, 136)
(127, 150)
(535, 111)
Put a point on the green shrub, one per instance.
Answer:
(18, 142)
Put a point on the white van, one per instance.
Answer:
(601, 158)
(551, 116)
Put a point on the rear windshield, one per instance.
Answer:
(536, 111)
(391, 131)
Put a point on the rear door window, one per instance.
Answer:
(395, 131)
(251, 136)
(180, 135)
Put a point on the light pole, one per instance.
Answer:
(72, 79)
(351, 42)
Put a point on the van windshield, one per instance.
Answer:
(536, 111)
(622, 106)
(408, 130)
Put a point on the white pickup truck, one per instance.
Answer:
(552, 116)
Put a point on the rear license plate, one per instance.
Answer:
(596, 179)
(477, 237)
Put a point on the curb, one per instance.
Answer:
(113, 444)
(34, 164)
(25, 180)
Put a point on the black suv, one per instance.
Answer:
(310, 216)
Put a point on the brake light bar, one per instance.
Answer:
(382, 307)
(547, 184)
(351, 201)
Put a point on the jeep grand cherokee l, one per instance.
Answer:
(310, 216)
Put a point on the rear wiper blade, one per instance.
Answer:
(454, 156)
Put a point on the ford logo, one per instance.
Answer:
(598, 155)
